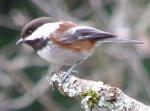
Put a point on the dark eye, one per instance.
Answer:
(30, 32)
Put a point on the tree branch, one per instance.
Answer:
(95, 95)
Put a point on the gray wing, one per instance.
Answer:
(80, 33)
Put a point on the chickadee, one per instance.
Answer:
(63, 42)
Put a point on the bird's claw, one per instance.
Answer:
(74, 72)
(69, 73)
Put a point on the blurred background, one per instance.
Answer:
(23, 84)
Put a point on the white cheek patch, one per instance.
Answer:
(44, 31)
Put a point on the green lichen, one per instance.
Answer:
(93, 100)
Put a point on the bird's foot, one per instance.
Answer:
(70, 72)
(74, 72)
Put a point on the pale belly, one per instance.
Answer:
(54, 54)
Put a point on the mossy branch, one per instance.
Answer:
(95, 95)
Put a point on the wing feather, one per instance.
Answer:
(80, 33)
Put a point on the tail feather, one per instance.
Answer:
(108, 37)
(121, 40)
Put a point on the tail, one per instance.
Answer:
(98, 35)
(120, 40)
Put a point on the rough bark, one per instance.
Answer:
(95, 95)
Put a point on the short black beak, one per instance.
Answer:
(20, 41)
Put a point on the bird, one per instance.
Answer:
(64, 43)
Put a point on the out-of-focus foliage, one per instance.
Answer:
(23, 86)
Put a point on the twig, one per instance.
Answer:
(95, 95)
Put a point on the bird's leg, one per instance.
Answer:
(57, 69)
(69, 72)
(63, 68)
